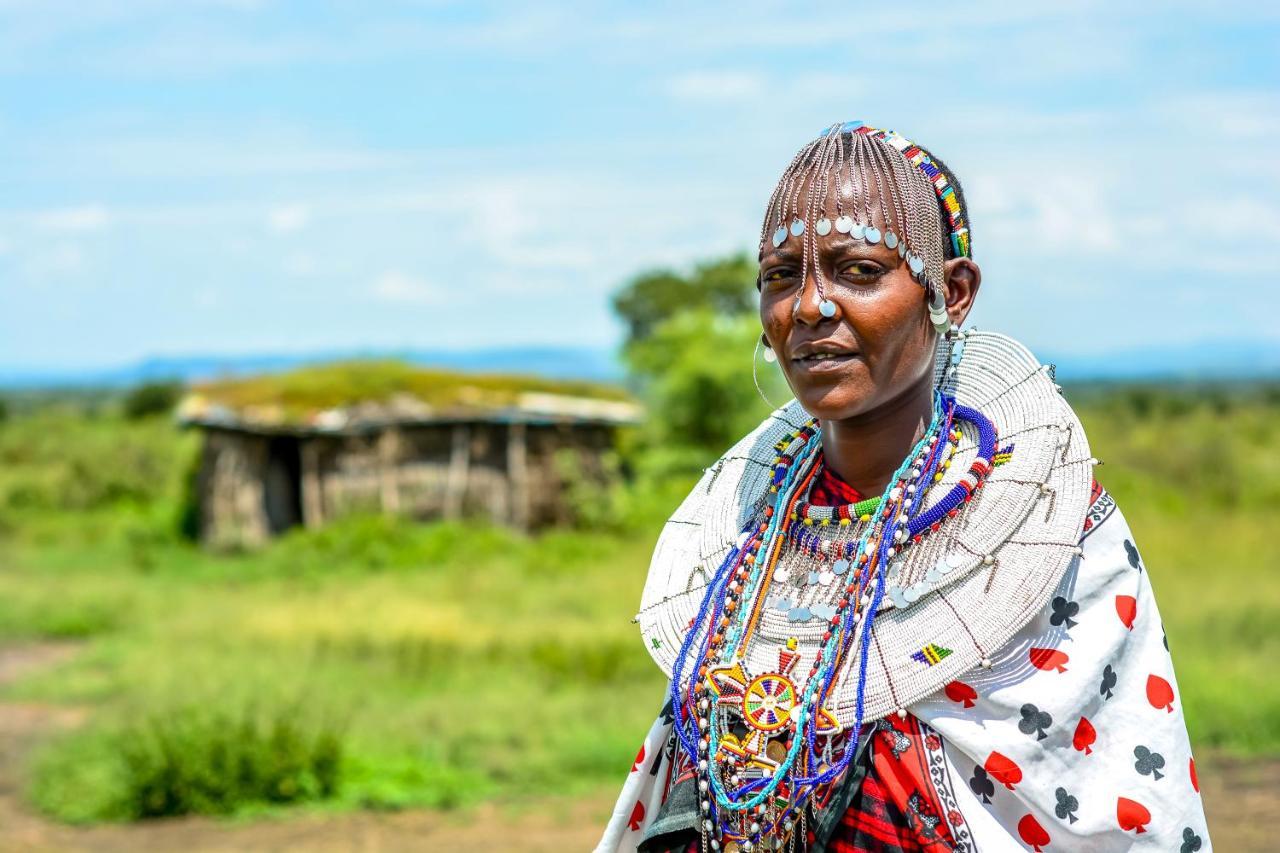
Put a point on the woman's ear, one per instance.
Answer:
(964, 277)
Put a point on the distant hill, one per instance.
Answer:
(596, 365)
(1195, 360)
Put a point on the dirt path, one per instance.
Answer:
(1242, 798)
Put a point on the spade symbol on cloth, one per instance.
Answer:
(1148, 763)
(665, 713)
(1085, 736)
(1131, 814)
(1127, 609)
(981, 785)
(635, 765)
(1134, 559)
(1067, 806)
(1003, 770)
(1159, 693)
(1063, 610)
(1034, 721)
(958, 691)
(1190, 841)
(1032, 832)
(1048, 659)
(637, 817)
(1108, 681)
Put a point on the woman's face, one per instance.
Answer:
(880, 342)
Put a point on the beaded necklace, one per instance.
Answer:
(766, 748)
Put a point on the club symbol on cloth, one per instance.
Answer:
(1067, 806)
(1063, 610)
(1135, 559)
(1032, 832)
(981, 784)
(1108, 681)
(1190, 841)
(1148, 763)
(1034, 721)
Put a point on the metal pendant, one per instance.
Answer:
(890, 240)
(856, 231)
(769, 355)
(779, 236)
(822, 226)
(844, 224)
(797, 227)
(827, 308)
(872, 234)
(916, 263)
(902, 249)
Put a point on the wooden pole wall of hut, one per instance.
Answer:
(312, 491)
(388, 469)
(459, 462)
(518, 474)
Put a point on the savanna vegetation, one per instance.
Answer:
(382, 664)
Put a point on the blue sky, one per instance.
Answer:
(237, 177)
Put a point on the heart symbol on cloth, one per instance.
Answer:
(1131, 814)
(1127, 609)
(1195, 781)
(1085, 736)
(1159, 693)
(1048, 659)
(1032, 832)
(1003, 770)
(958, 691)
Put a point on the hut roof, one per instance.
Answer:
(357, 396)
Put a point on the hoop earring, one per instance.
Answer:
(755, 377)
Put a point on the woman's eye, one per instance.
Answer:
(862, 269)
(777, 276)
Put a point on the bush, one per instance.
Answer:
(152, 398)
(193, 762)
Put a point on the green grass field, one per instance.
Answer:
(383, 664)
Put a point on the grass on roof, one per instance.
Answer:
(342, 383)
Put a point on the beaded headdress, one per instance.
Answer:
(874, 185)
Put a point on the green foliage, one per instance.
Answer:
(191, 761)
(4, 410)
(725, 287)
(700, 394)
(152, 398)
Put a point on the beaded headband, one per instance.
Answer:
(923, 161)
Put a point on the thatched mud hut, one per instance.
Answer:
(310, 446)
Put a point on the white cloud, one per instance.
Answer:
(401, 288)
(289, 217)
(89, 217)
(716, 86)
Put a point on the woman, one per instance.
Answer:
(901, 614)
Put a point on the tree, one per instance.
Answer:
(725, 287)
(152, 398)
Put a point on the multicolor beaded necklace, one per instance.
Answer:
(766, 747)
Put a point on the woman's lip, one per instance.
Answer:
(824, 365)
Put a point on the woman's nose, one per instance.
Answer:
(806, 309)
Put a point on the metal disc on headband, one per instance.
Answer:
(827, 308)
(902, 249)
(872, 234)
(857, 231)
(779, 236)
(916, 263)
(822, 226)
(890, 240)
(797, 227)
(844, 224)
